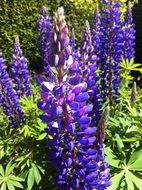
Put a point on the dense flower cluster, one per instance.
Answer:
(69, 105)
(44, 27)
(111, 50)
(8, 98)
(19, 72)
(128, 35)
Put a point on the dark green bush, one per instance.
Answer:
(21, 16)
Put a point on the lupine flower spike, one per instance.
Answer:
(8, 98)
(45, 26)
(97, 33)
(111, 50)
(66, 110)
(129, 35)
(19, 71)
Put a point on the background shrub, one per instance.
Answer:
(20, 17)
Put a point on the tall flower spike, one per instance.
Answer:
(111, 51)
(19, 71)
(89, 67)
(129, 35)
(45, 28)
(104, 175)
(66, 110)
(8, 98)
(96, 33)
(59, 46)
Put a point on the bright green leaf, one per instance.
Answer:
(3, 187)
(30, 180)
(135, 156)
(137, 165)
(137, 181)
(111, 158)
(36, 174)
(116, 179)
(16, 184)
(1, 170)
(10, 185)
(129, 182)
(9, 168)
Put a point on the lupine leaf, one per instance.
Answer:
(16, 184)
(137, 181)
(120, 144)
(111, 158)
(129, 182)
(137, 165)
(3, 187)
(10, 185)
(116, 179)
(16, 178)
(135, 156)
(37, 175)
(1, 170)
(9, 168)
(30, 180)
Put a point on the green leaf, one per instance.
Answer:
(119, 144)
(129, 182)
(1, 170)
(3, 187)
(137, 165)
(10, 185)
(30, 180)
(16, 184)
(137, 181)
(116, 179)
(42, 136)
(16, 178)
(9, 168)
(37, 175)
(135, 156)
(111, 158)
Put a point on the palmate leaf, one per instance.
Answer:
(135, 156)
(137, 181)
(3, 187)
(7, 180)
(137, 165)
(116, 180)
(30, 180)
(10, 185)
(129, 182)
(1, 170)
(120, 144)
(111, 158)
(34, 176)
(9, 168)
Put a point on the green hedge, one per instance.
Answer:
(21, 16)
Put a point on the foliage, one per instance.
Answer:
(24, 147)
(14, 22)
(124, 134)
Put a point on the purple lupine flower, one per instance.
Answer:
(74, 66)
(19, 71)
(101, 178)
(129, 35)
(67, 112)
(96, 33)
(104, 175)
(44, 27)
(111, 50)
(89, 67)
(8, 98)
